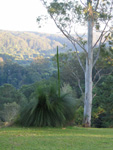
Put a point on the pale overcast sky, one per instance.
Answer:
(20, 15)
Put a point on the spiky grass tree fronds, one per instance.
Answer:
(26, 118)
(68, 102)
(48, 109)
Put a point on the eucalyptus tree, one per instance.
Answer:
(95, 15)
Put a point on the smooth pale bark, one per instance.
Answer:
(88, 77)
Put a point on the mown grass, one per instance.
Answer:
(71, 138)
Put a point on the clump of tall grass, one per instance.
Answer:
(51, 105)
(48, 108)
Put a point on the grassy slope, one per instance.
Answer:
(72, 138)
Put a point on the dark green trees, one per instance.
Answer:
(11, 100)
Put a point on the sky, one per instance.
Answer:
(21, 15)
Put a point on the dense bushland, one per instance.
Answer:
(23, 91)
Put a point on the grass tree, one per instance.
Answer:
(94, 15)
(48, 108)
(51, 105)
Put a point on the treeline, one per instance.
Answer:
(34, 87)
(18, 75)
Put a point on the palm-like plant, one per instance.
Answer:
(48, 109)
(51, 107)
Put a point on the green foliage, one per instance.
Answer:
(28, 45)
(10, 102)
(64, 11)
(27, 90)
(9, 94)
(18, 75)
(68, 13)
(11, 111)
(79, 116)
(79, 109)
(48, 109)
(106, 57)
(103, 103)
(98, 117)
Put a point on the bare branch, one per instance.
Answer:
(70, 38)
(78, 80)
(79, 58)
(97, 80)
(74, 40)
(82, 3)
(65, 33)
(94, 95)
(101, 36)
(106, 38)
(75, 75)
(80, 36)
(104, 27)
(99, 39)
(98, 53)
(98, 72)
(100, 76)
(97, 5)
(77, 55)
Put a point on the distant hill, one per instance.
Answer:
(28, 45)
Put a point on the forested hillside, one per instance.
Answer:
(28, 45)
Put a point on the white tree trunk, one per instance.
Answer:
(88, 77)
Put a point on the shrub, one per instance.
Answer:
(10, 112)
(79, 116)
(47, 108)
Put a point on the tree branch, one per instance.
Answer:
(101, 35)
(98, 72)
(94, 95)
(97, 53)
(100, 76)
(79, 58)
(78, 80)
(97, 80)
(106, 38)
(74, 75)
(65, 33)
(82, 3)
(70, 38)
(97, 5)
(99, 39)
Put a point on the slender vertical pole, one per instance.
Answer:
(58, 73)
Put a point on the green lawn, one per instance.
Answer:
(71, 138)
